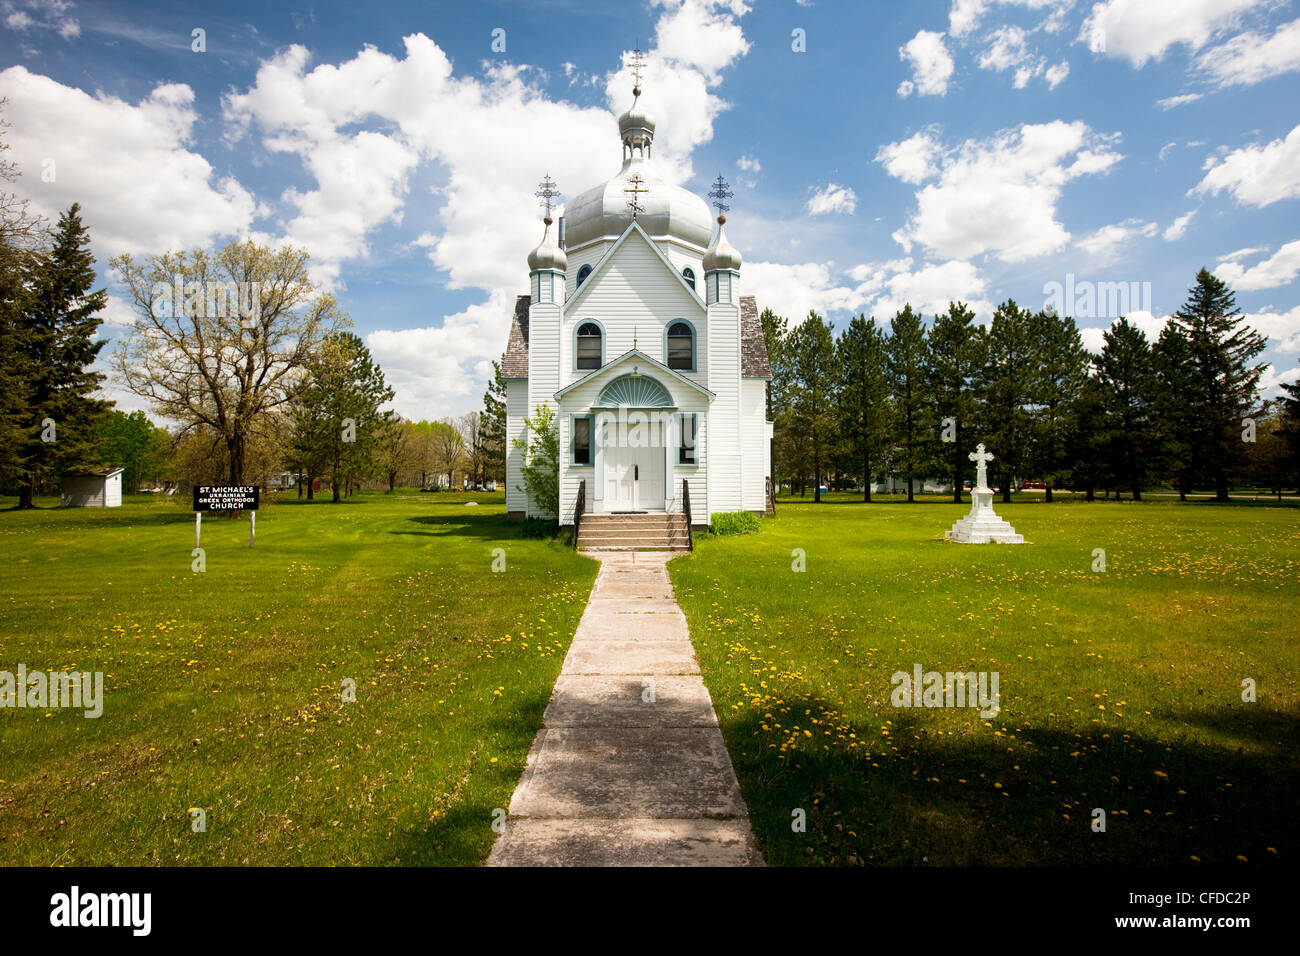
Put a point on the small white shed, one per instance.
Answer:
(93, 489)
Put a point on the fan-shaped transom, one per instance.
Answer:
(635, 391)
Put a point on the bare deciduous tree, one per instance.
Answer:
(201, 359)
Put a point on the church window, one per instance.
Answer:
(589, 351)
(689, 275)
(687, 428)
(582, 440)
(583, 273)
(681, 347)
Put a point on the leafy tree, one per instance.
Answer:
(1063, 365)
(136, 445)
(336, 415)
(1007, 383)
(540, 462)
(492, 427)
(907, 373)
(235, 346)
(448, 449)
(57, 333)
(1225, 380)
(957, 354)
(1127, 375)
(864, 397)
(814, 376)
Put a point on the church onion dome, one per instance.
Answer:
(636, 127)
(547, 255)
(722, 254)
(666, 211)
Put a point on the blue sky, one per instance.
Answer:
(925, 151)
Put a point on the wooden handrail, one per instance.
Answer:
(686, 508)
(578, 508)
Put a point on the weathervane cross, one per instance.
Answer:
(720, 194)
(547, 194)
(638, 64)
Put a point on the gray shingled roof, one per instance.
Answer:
(753, 349)
(515, 363)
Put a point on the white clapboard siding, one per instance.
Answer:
(516, 411)
(634, 298)
(755, 448)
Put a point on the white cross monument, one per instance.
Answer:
(981, 525)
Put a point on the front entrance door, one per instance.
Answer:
(633, 466)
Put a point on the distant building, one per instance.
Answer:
(93, 489)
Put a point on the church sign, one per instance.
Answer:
(226, 497)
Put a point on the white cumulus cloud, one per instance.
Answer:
(1249, 58)
(1256, 175)
(931, 64)
(832, 198)
(1143, 30)
(1277, 270)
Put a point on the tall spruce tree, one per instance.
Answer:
(1126, 372)
(1063, 365)
(907, 372)
(1225, 386)
(775, 329)
(957, 354)
(864, 397)
(814, 379)
(1171, 358)
(493, 426)
(57, 331)
(1291, 429)
(1007, 386)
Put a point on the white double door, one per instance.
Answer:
(634, 463)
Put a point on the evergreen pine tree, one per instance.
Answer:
(814, 379)
(1225, 380)
(957, 353)
(907, 371)
(1007, 389)
(1063, 365)
(1126, 373)
(57, 332)
(864, 397)
(493, 426)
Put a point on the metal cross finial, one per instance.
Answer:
(634, 188)
(547, 194)
(720, 194)
(638, 64)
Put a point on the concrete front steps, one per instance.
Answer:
(651, 531)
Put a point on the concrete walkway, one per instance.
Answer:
(629, 768)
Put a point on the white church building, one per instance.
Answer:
(636, 335)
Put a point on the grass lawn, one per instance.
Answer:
(223, 689)
(1120, 690)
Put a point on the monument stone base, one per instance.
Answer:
(982, 525)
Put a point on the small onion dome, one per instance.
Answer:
(722, 254)
(636, 127)
(547, 255)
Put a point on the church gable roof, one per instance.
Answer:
(515, 362)
(602, 267)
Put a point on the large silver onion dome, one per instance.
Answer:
(547, 255)
(669, 211)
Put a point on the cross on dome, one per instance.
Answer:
(720, 194)
(547, 194)
(636, 186)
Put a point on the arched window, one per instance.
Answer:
(589, 351)
(681, 347)
(689, 275)
(583, 273)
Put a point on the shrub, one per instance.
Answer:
(539, 528)
(734, 522)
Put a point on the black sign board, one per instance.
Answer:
(226, 497)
